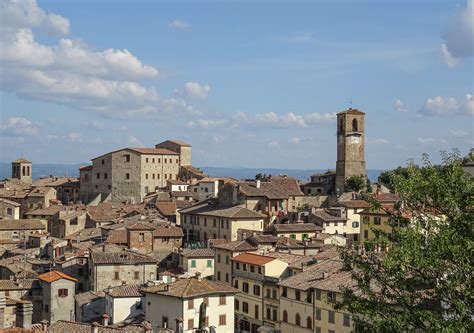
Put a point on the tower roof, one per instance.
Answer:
(21, 160)
(352, 111)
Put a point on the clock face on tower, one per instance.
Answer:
(353, 139)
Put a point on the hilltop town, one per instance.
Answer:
(142, 239)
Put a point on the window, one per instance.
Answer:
(158, 176)
(46, 308)
(244, 267)
(318, 294)
(354, 125)
(153, 176)
(297, 295)
(274, 294)
(269, 313)
(275, 316)
(245, 287)
(219, 276)
(377, 220)
(245, 307)
(226, 277)
(190, 304)
(305, 236)
(136, 275)
(73, 221)
(153, 160)
(205, 221)
(346, 320)
(177, 160)
(222, 300)
(141, 237)
(146, 176)
(366, 219)
(308, 297)
(256, 290)
(98, 175)
(355, 224)
(331, 317)
(285, 316)
(62, 292)
(236, 305)
(256, 311)
(116, 276)
(268, 293)
(127, 158)
(127, 176)
(102, 161)
(297, 319)
(293, 236)
(284, 292)
(309, 323)
(318, 314)
(190, 324)
(193, 263)
(166, 160)
(222, 320)
(366, 233)
(331, 297)
(164, 319)
(209, 263)
(219, 258)
(318, 329)
(236, 284)
(226, 259)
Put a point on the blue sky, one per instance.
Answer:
(247, 83)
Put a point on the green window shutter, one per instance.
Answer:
(193, 263)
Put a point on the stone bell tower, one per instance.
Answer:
(350, 146)
(21, 169)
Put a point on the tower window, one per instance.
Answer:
(354, 125)
(341, 125)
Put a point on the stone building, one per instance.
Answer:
(9, 209)
(176, 305)
(197, 260)
(124, 302)
(129, 174)
(22, 170)
(350, 146)
(58, 296)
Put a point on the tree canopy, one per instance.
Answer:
(356, 183)
(423, 279)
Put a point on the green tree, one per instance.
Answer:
(385, 177)
(423, 281)
(258, 176)
(356, 183)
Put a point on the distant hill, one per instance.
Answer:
(72, 170)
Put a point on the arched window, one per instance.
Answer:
(297, 319)
(24, 171)
(27, 170)
(354, 125)
(309, 323)
(341, 125)
(285, 316)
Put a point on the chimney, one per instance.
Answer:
(258, 183)
(105, 319)
(95, 327)
(198, 276)
(44, 325)
(24, 314)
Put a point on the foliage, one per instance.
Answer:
(385, 177)
(423, 281)
(258, 176)
(356, 183)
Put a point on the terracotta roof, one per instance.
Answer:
(20, 284)
(86, 167)
(289, 258)
(386, 197)
(177, 142)
(176, 182)
(126, 290)
(237, 246)
(48, 211)
(140, 226)
(252, 258)
(193, 170)
(124, 258)
(352, 111)
(191, 288)
(53, 276)
(88, 297)
(198, 253)
(295, 227)
(217, 241)
(326, 217)
(276, 188)
(236, 212)
(10, 202)
(117, 237)
(21, 160)
(22, 224)
(181, 194)
(167, 208)
(154, 151)
(354, 204)
(168, 231)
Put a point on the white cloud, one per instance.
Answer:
(135, 142)
(447, 57)
(70, 73)
(74, 137)
(448, 106)
(18, 126)
(26, 13)
(206, 123)
(458, 133)
(425, 140)
(459, 35)
(295, 140)
(291, 119)
(196, 90)
(377, 141)
(400, 106)
(178, 24)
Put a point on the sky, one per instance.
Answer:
(246, 83)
